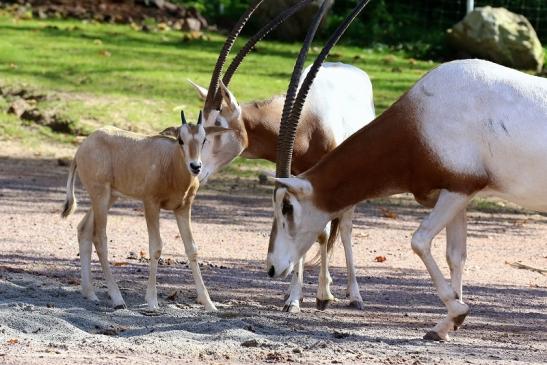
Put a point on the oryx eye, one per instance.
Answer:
(218, 123)
(287, 208)
(181, 142)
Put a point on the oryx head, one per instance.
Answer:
(223, 148)
(221, 108)
(192, 138)
(296, 224)
(297, 220)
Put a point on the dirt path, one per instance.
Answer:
(43, 318)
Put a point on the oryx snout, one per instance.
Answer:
(195, 167)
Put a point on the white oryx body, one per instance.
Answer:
(340, 102)
(467, 128)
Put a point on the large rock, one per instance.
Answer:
(498, 35)
(294, 28)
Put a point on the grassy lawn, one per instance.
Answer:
(99, 74)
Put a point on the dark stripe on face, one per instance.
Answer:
(273, 235)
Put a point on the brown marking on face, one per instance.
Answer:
(261, 122)
(385, 157)
(273, 236)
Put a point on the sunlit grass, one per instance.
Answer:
(113, 74)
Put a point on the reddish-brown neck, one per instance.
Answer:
(262, 122)
(387, 156)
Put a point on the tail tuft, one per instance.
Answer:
(69, 208)
(70, 201)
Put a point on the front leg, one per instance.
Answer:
(346, 224)
(152, 215)
(449, 206)
(183, 221)
(294, 297)
(324, 295)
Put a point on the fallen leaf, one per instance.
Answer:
(173, 296)
(105, 53)
(141, 254)
(120, 263)
(388, 213)
(380, 258)
(98, 42)
(13, 341)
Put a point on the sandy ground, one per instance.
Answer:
(44, 319)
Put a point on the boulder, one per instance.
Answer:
(191, 25)
(19, 107)
(294, 28)
(500, 36)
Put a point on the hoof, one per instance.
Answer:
(287, 296)
(120, 306)
(356, 304)
(433, 336)
(458, 321)
(291, 308)
(322, 304)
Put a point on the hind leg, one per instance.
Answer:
(85, 241)
(152, 215)
(101, 202)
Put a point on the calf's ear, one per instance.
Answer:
(171, 132)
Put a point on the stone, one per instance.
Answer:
(498, 35)
(19, 107)
(191, 25)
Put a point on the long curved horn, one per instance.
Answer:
(228, 44)
(183, 118)
(243, 52)
(288, 127)
(285, 141)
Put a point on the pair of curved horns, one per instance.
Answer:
(294, 103)
(183, 117)
(214, 96)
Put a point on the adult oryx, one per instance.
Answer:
(339, 103)
(467, 128)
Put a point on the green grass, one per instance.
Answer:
(112, 74)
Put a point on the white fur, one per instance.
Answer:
(341, 96)
(499, 127)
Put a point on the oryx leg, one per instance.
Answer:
(183, 221)
(352, 291)
(101, 201)
(85, 242)
(324, 295)
(152, 215)
(456, 254)
(448, 207)
(294, 297)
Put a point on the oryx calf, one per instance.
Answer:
(159, 171)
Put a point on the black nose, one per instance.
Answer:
(196, 167)
(271, 272)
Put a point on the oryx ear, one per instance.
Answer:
(229, 99)
(202, 92)
(214, 130)
(171, 132)
(295, 185)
